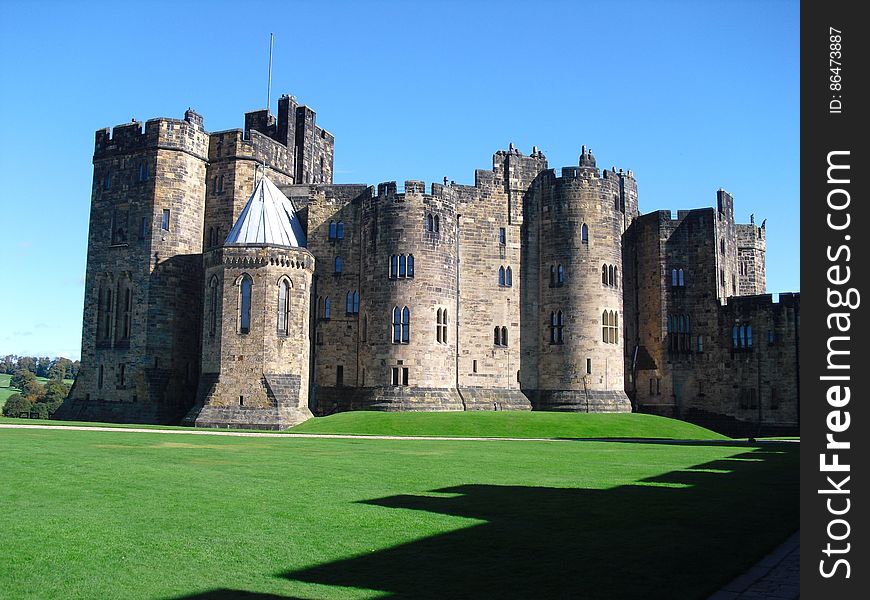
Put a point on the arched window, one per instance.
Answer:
(615, 327)
(604, 274)
(749, 336)
(496, 336)
(246, 288)
(437, 224)
(283, 307)
(348, 303)
(610, 278)
(700, 343)
(403, 261)
(560, 325)
(441, 326)
(504, 336)
(508, 277)
(680, 278)
(406, 325)
(584, 234)
(356, 303)
(332, 230)
(735, 339)
(553, 327)
(327, 308)
(552, 275)
(213, 305)
(339, 230)
(394, 266)
(397, 325)
(430, 222)
(338, 263)
(410, 265)
(605, 327)
(674, 278)
(560, 275)
(501, 276)
(616, 277)
(438, 325)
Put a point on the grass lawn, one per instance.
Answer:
(508, 424)
(92, 514)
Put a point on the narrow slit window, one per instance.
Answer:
(245, 305)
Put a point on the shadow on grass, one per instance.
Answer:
(679, 535)
(683, 534)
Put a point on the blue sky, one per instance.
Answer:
(691, 96)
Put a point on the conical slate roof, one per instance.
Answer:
(268, 218)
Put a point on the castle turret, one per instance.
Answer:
(580, 351)
(140, 338)
(255, 349)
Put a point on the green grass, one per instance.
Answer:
(5, 389)
(90, 514)
(508, 424)
(471, 424)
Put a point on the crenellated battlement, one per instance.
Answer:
(182, 134)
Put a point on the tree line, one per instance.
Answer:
(41, 366)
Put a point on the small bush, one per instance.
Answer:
(15, 405)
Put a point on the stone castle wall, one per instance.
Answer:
(485, 283)
(140, 337)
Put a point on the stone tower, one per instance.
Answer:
(581, 352)
(140, 334)
(255, 322)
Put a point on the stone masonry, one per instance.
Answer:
(525, 290)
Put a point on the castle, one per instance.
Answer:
(230, 283)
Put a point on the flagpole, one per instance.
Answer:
(269, 89)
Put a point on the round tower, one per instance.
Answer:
(581, 352)
(255, 349)
(408, 301)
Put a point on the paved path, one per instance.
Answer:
(776, 577)
(193, 431)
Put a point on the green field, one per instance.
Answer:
(5, 390)
(100, 514)
(507, 424)
(474, 424)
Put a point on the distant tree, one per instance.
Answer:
(54, 391)
(15, 405)
(74, 370)
(43, 364)
(60, 368)
(8, 363)
(26, 363)
(28, 384)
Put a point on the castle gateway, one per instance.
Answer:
(231, 283)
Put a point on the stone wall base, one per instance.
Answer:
(493, 399)
(243, 417)
(331, 400)
(107, 411)
(597, 401)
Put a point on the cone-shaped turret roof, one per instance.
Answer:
(268, 218)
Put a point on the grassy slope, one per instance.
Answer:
(111, 514)
(507, 424)
(5, 389)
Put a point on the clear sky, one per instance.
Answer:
(691, 96)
